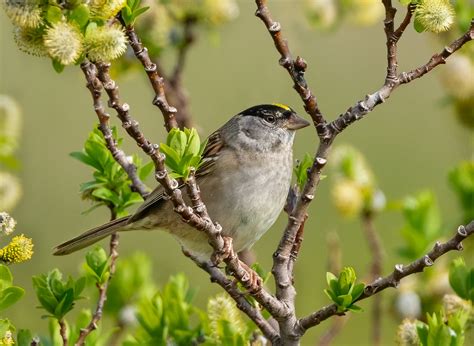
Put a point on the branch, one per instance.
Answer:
(368, 104)
(114, 241)
(285, 292)
(95, 88)
(391, 42)
(242, 303)
(155, 79)
(296, 68)
(63, 332)
(401, 271)
(188, 40)
(197, 217)
(375, 246)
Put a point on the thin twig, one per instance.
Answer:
(375, 247)
(334, 266)
(392, 64)
(95, 88)
(401, 271)
(334, 330)
(295, 67)
(114, 242)
(63, 332)
(365, 106)
(155, 79)
(403, 25)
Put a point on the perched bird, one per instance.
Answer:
(244, 180)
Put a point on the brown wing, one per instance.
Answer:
(210, 155)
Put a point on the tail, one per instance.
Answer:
(90, 237)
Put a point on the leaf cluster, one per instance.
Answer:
(110, 185)
(343, 290)
(301, 170)
(168, 316)
(97, 265)
(422, 224)
(132, 10)
(461, 279)
(9, 294)
(183, 150)
(57, 296)
(442, 330)
(461, 179)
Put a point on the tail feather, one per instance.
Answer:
(90, 237)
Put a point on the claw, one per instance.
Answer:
(226, 252)
(253, 282)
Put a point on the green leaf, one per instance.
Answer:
(461, 278)
(355, 308)
(54, 14)
(24, 337)
(357, 291)
(10, 296)
(80, 15)
(97, 261)
(145, 170)
(194, 143)
(6, 278)
(177, 140)
(417, 25)
(58, 67)
(88, 160)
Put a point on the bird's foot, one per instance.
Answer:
(227, 251)
(252, 281)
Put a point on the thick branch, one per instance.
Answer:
(114, 241)
(197, 217)
(296, 68)
(393, 280)
(155, 79)
(230, 287)
(95, 88)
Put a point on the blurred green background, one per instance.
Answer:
(411, 142)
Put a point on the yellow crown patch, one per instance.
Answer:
(281, 105)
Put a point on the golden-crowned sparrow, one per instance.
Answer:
(244, 180)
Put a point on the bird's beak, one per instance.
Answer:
(295, 122)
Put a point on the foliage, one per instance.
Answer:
(462, 182)
(132, 10)
(183, 150)
(111, 184)
(422, 224)
(343, 290)
(461, 279)
(55, 295)
(9, 294)
(97, 265)
(301, 170)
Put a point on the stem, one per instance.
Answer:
(401, 271)
(155, 79)
(376, 249)
(114, 242)
(95, 88)
(63, 332)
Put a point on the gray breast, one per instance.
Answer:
(247, 198)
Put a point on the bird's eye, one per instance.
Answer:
(270, 119)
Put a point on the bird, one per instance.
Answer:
(244, 180)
